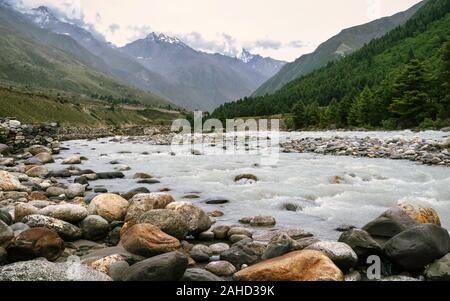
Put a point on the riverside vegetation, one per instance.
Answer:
(55, 226)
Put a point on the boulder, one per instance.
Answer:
(8, 182)
(144, 202)
(262, 221)
(169, 221)
(110, 175)
(117, 250)
(37, 149)
(246, 178)
(55, 191)
(66, 230)
(390, 223)
(37, 172)
(306, 265)
(165, 267)
(34, 243)
(44, 158)
(104, 264)
(6, 217)
(219, 248)
(280, 245)
(239, 231)
(6, 234)
(110, 206)
(141, 175)
(340, 253)
(220, 232)
(75, 190)
(421, 215)
(94, 227)
(439, 270)
(7, 162)
(195, 275)
(24, 209)
(72, 160)
(362, 243)
(42, 270)
(196, 218)
(244, 252)
(221, 268)
(148, 240)
(67, 212)
(418, 246)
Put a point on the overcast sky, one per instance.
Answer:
(283, 29)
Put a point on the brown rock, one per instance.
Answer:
(24, 209)
(143, 202)
(110, 206)
(37, 196)
(10, 183)
(420, 214)
(295, 266)
(45, 158)
(36, 242)
(148, 240)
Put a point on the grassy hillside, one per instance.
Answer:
(37, 107)
(377, 67)
(26, 61)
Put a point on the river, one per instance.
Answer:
(370, 185)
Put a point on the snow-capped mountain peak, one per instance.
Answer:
(162, 38)
(246, 56)
(42, 16)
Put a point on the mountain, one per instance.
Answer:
(346, 42)
(207, 80)
(163, 65)
(265, 65)
(33, 58)
(398, 80)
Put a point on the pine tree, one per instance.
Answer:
(299, 115)
(331, 115)
(410, 97)
(312, 114)
(361, 111)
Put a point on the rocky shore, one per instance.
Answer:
(57, 225)
(419, 150)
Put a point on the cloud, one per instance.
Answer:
(138, 32)
(297, 44)
(265, 44)
(223, 43)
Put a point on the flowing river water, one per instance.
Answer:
(370, 185)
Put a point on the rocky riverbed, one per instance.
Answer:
(429, 152)
(78, 212)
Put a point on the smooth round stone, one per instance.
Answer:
(221, 268)
(220, 232)
(219, 248)
(206, 236)
(239, 231)
(237, 237)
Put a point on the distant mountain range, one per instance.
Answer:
(346, 42)
(159, 64)
(205, 80)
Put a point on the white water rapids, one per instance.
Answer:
(371, 185)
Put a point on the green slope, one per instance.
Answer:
(27, 60)
(376, 65)
(345, 43)
(33, 107)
